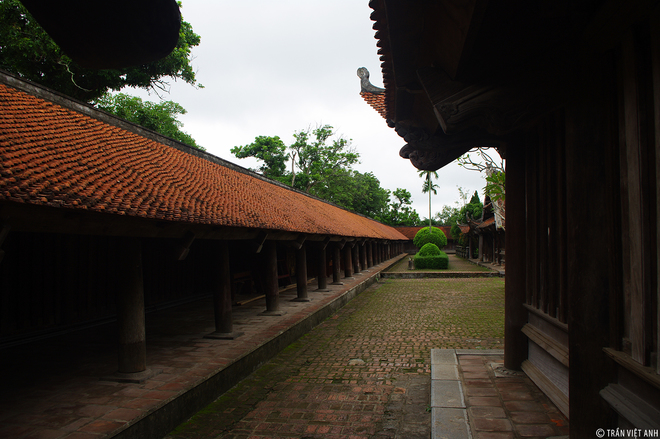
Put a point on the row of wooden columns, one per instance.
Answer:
(132, 361)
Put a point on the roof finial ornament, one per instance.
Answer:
(367, 86)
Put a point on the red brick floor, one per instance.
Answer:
(506, 407)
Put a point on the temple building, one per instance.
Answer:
(569, 94)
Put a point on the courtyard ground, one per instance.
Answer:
(365, 372)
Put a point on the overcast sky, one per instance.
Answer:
(273, 68)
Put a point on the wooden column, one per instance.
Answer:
(269, 271)
(132, 349)
(355, 254)
(221, 285)
(370, 254)
(348, 261)
(590, 135)
(301, 274)
(363, 255)
(515, 315)
(336, 264)
(321, 275)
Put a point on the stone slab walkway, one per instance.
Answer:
(474, 396)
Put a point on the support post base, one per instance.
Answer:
(301, 299)
(272, 313)
(224, 335)
(133, 377)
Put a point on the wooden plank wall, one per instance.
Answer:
(53, 281)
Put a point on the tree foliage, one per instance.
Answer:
(400, 212)
(430, 235)
(160, 117)
(430, 256)
(429, 187)
(318, 158)
(28, 51)
(315, 158)
(320, 165)
(493, 168)
(270, 150)
(453, 215)
(356, 191)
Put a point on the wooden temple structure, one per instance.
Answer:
(485, 236)
(101, 218)
(569, 93)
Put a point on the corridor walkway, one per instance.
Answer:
(366, 372)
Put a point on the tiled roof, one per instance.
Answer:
(487, 222)
(376, 101)
(410, 232)
(53, 156)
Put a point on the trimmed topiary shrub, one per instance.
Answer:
(436, 236)
(430, 256)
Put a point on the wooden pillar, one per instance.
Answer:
(363, 255)
(321, 275)
(370, 254)
(301, 274)
(355, 254)
(221, 284)
(348, 261)
(515, 315)
(591, 212)
(336, 264)
(269, 271)
(132, 349)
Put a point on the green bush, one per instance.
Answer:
(430, 256)
(429, 249)
(436, 236)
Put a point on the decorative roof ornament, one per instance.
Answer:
(366, 85)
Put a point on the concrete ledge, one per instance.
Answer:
(166, 418)
(449, 414)
(438, 274)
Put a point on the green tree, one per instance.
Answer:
(430, 235)
(160, 117)
(356, 191)
(270, 150)
(28, 51)
(429, 187)
(444, 216)
(317, 158)
(400, 212)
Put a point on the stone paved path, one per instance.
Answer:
(364, 372)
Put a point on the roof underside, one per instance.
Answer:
(460, 75)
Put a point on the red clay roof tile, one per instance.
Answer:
(376, 101)
(54, 156)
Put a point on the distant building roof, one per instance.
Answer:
(53, 155)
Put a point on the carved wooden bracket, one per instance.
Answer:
(184, 248)
(430, 153)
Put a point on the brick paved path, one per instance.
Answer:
(365, 372)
